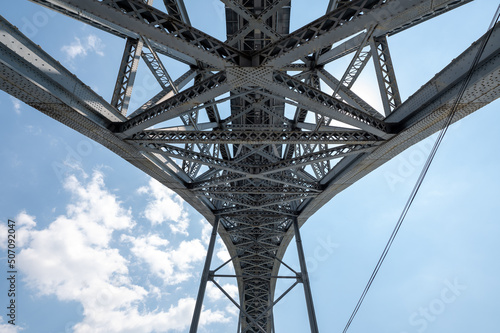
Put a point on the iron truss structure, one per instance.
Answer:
(260, 172)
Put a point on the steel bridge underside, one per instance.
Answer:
(258, 169)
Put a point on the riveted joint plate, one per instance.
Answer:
(249, 76)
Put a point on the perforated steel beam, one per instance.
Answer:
(133, 17)
(386, 76)
(254, 137)
(126, 75)
(328, 106)
(177, 105)
(347, 94)
(393, 15)
(177, 9)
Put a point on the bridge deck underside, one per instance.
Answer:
(284, 147)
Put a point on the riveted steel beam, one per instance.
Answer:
(154, 63)
(33, 76)
(204, 278)
(347, 94)
(111, 27)
(126, 75)
(184, 154)
(326, 105)
(177, 105)
(423, 114)
(252, 23)
(254, 137)
(166, 93)
(133, 17)
(345, 21)
(325, 155)
(177, 9)
(386, 75)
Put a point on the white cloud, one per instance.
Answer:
(232, 310)
(23, 223)
(17, 105)
(79, 48)
(173, 266)
(3, 236)
(206, 231)
(33, 130)
(177, 318)
(72, 255)
(9, 328)
(74, 259)
(215, 294)
(222, 252)
(165, 206)
(25, 220)
(74, 49)
(96, 204)
(95, 44)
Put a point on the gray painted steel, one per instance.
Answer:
(260, 171)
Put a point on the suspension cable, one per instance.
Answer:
(426, 166)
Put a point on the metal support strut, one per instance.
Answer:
(204, 278)
(305, 279)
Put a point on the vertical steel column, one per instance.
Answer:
(386, 76)
(204, 278)
(305, 279)
(126, 75)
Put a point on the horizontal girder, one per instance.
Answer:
(254, 137)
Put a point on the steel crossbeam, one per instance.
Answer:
(177, 105)
(133, 18)
(166, 93)
(347, 21)
(254, 137)
(154, 63)
(253, 23)
(347, 94)
(177, 9)
(385, 74)
(259, 168)
(126, 75)
(285, 147)
(326, 105)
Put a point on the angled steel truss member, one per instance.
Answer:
(286, 147)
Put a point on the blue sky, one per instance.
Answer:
(103, 248)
